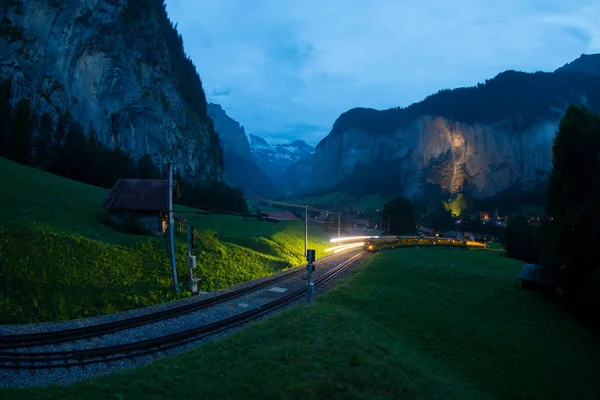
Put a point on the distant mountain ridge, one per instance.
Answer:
(588, 63)
(482, 139)
(276, 159)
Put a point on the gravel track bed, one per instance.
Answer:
(10, 378)
(18, 329)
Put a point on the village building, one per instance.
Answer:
(145, 201)
(360, 223)
(426, 231)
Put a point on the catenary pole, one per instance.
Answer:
(305, 227)
(171, 233)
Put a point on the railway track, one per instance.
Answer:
(21, 360)
(80, 333)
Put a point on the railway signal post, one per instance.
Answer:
(192, 261)
(310, 267)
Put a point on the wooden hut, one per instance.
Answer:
(145, 201)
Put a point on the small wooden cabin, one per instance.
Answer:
(145, 201)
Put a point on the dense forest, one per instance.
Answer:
(518, 97)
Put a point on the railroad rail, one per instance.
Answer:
(19, 360)
(69, 335)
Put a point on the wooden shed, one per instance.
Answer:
(143, 200)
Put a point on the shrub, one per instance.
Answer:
(129, 225)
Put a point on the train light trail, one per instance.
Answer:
(344, 239)
(349, 246)
(343, 247)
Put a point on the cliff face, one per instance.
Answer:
(443, 152)
(109, 63)
(484, 139)
(231, 134)
(240, 169)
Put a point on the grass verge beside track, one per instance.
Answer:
(410, 324)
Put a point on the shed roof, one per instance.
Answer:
(140, 194)
(537, 274)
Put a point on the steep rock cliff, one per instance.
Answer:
(484, 138)
(117, 66)
(240, 169)
(232, 135)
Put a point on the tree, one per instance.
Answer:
(520, 239)
(402, 216)
(572, 235)
(21, 129)
(147, 169)
(5, 115)
(43, 143)
(441, 219)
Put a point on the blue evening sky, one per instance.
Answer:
(287, 69)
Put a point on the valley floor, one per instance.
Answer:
(410, 324)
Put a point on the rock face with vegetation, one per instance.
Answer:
(118, 68)
(483, 139)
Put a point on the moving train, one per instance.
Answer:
(389, 242)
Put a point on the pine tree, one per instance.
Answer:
(21, 129)
(401, 212)
(43, 144)
(572, 232)
(5, 115)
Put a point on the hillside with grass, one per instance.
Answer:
(60, 260)
(410, 324)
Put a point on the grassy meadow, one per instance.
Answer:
(410, 324)
(59, 260)
(339, 198)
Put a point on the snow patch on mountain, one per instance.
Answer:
(275, 159)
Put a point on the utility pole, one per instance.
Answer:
(379, 224)
(339, 217)
(305, 227)
(171, 233)
(388, 231)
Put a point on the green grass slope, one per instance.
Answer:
(59, 260)
(411, 324)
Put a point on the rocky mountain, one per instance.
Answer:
(116, 67)
(276, 159)
(483, 139)
(240, 169)
(589, 63)
(232, 135)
